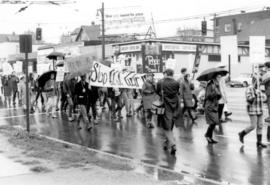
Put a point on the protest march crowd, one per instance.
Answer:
(171, 101)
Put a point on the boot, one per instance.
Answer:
(173, 150)
(242, 135)
(259, 142)
(268, 133)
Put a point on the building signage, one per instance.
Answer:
(153, 63)
(130, 48)
(179, 47)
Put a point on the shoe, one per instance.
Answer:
(150, 125)
(165, 145)
(129, 115)
(173, 150)
(267, 119)
(70, 119)
(261, 145)
(259, 142)
(213, 141)
(95, 122)
(227, 114)
(89, 127)
(241, 136)
(210, 140)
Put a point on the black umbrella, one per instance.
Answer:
(45, 77)
(210, 73)
(54, 55)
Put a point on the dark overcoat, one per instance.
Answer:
(212, 95)
(173, 113)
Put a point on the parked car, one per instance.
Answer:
(243, 80)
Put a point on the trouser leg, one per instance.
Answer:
(170, 138)
(210, 130)
(253, 123)
(220, 110)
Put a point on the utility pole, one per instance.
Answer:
(103, 32)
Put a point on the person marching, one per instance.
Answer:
(186, 88)
(168, 89)
(50, 89)
(81, 95)
(254, 98)
(212, 96)
(148, 96)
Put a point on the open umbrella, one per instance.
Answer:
(266, 77)
(54, 55)
(210, 73)
(45, 77)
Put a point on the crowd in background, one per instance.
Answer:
(75, 97)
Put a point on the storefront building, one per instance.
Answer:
(153, 55)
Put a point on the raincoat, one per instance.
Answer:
(212, 96)
(173, 112)
(148, 94)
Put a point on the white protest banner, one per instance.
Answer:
(228, 48)
(103, 76)
(257, 49)
(170, 63)
(60, 74)
(79, 64)
(18, 67)
(7, 69)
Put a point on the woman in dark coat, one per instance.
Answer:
(186, 93)
(212, 95)
(148, 96)
(173, 114)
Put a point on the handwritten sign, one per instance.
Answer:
(60, 74)
(103, 76)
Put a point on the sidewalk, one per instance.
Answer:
(82, 176)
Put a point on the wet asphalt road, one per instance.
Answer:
(226, 162)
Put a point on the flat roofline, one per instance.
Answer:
(176, 42)
(233, 15)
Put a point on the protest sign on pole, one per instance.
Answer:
(60, 74)
(197, 60)
(257, 52)
(257, 49)
(79, 64)
(229, 51)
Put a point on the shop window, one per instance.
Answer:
(214, 58)
(227, 28)
(239, 26)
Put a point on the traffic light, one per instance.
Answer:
(38, 34)
(204, 27)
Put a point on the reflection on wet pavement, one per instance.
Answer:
(222, 163)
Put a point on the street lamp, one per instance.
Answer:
(101, 11)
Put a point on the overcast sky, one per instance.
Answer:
(56, 20)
